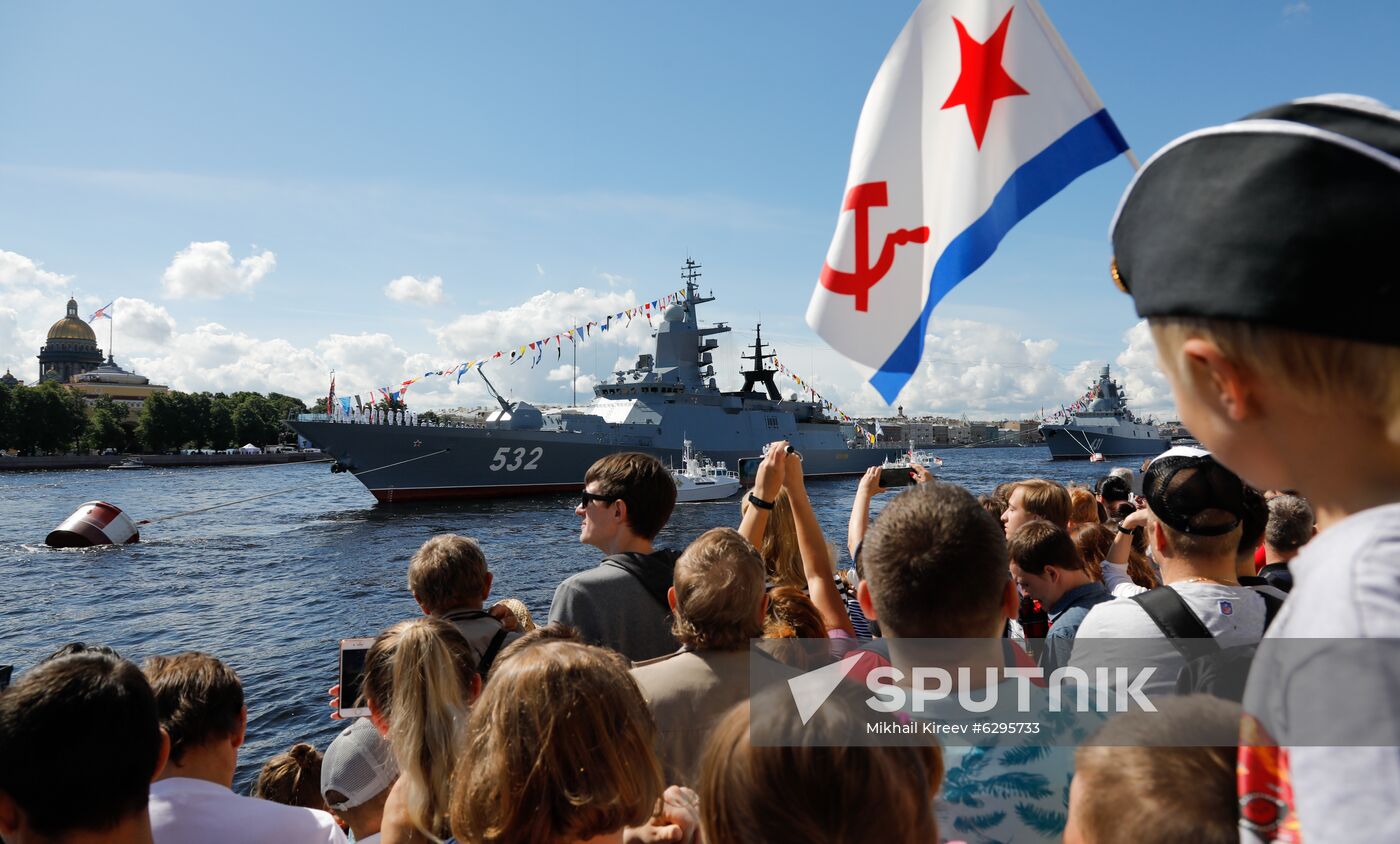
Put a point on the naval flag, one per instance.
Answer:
(977, 117)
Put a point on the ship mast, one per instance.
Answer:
(760, 374)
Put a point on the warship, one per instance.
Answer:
(1103, 425)
(669, 396)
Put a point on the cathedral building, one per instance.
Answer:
(71, 348)
(71, 358)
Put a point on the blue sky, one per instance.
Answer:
(544, 159)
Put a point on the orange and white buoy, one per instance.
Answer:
(94, 523)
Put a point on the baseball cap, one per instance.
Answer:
(1189, 491)
(359, 764)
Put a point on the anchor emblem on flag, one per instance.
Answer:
(860, 199)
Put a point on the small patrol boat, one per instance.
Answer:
(702, 479)
(130, 463)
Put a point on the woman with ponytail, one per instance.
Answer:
(420, 680)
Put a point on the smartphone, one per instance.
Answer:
(748, 470)
(898, 476)
(352, 676)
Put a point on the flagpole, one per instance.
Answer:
(111, 328)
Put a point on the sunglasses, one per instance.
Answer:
(589, 497)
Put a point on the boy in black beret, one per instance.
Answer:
(1263, 255)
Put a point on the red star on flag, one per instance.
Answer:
(983, 80)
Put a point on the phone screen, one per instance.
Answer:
(352, 677)
(895, 477)
(748, 470)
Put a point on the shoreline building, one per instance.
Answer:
(125, 388)
(71, 349)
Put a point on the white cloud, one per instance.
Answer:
(140, 324)
(543, 316)
(206, 270)
(539, 269)
(407, 288)
(18, 271)
(1298, 9)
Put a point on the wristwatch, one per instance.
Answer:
(760, 503)
(1130, 531)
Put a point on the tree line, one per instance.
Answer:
(50, 418)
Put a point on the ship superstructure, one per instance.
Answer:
(670, 393)
(1103, 425)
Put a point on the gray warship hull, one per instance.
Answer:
(1070, 442)
(1101, 423)
(668, 397)
(420, 463)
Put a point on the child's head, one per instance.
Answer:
(558, 748)
(1257, 252)
(771, 792)
(292, 777)
(718, 592)
(448, 572)
(1164, 776)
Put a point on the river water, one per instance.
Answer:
(271, 585)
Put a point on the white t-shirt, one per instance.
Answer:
(1338, 681)
(191, 811)
(1120, 633)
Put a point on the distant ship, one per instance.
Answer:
(1103, 426)
(652, 408)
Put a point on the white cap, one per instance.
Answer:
(359, 764)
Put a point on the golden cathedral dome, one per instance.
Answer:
(71, 327)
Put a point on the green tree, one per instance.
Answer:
(49, 418)
(219, 430)
(104, 425)
(7, 406)
(159, 426)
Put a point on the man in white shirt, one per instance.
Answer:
(1195, 508)
(201, 708)
(357, 775)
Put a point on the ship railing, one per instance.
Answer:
(398, 419)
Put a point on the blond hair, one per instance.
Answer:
(782, 560)
(446, 572)
(1046, 500)
(292, 777)
(420, 675)
(1174, 768)
(1356, 377)
(558, 748)
(719, 586)
(779, 791)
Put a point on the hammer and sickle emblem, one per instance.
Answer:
(861, 199)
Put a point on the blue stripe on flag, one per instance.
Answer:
(1094, 141)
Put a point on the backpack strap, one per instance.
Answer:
(1173, 616)
(488, 656)
(1272, 605)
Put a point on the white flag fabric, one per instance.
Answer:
(978, 116)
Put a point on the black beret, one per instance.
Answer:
(1287, 218)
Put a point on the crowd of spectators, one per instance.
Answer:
(654, 706)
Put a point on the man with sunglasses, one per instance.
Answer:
(621, 603)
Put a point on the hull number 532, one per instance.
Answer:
(511, 459)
